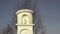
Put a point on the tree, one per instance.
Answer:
(39, 27)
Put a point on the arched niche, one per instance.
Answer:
(24, 31)
(25, 19)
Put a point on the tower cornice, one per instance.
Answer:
(24, 10)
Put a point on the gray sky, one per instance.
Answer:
(50, 10)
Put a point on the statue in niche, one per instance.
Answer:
(25, 19)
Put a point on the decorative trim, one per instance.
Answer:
(25, 24)
(24, 10)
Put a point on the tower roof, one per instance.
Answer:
(24, 10)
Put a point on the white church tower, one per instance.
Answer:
(24, 21)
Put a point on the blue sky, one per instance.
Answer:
(50, 10)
